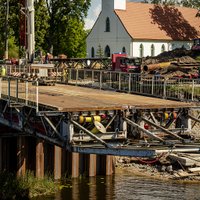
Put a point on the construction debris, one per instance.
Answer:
(182, 166)
(177, 63)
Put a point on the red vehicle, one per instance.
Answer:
(123, 63)
(196, 44)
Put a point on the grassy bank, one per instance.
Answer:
(25, 187)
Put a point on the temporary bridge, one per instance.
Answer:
(93, 121)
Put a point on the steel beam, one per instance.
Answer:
(137, 152)
(21, 156)
(39, 159)
(92, 165)
(163, 129)
(57, 162)
(144, 130)
(109, 165)
(194, 118)
(89, 133)
(1, 155)
(75, 165)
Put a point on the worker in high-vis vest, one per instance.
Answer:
(3, 71)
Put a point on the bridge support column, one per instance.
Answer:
(39, 159)
(92, 165)
(21, 156)
(57, 162)
(75, 165)
(109, 165)
(1, 155)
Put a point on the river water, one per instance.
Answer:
(124, 186)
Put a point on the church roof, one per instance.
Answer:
(156, 22)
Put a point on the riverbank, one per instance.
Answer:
(162, 169)
(28, 186)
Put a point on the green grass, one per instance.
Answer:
(26, 186)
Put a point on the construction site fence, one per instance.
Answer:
(182, 89)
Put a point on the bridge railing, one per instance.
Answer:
(183, 89)
(18, 91)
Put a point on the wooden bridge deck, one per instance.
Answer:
(66, 98)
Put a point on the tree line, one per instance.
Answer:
(59, 27)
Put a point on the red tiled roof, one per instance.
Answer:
(149, 21)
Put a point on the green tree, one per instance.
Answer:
(191, 3)
(66, 32)
(99, 52)
(41, 24)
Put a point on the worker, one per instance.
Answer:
(65, 76)
(3, 71)
(47, 58)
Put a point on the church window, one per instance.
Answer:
(92, 52)
(162, 48)
(152, 50)
(107, 24)
(141, 50)
(123, 50)
(107, 51)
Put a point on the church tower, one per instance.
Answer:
(113, 4)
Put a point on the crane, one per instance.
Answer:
(27, 28)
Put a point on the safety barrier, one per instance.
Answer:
(183, 89)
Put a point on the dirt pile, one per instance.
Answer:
(179, 62)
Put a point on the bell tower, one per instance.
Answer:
(113, 4)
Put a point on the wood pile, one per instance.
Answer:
(189, 163)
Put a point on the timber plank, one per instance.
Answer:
(68, 98)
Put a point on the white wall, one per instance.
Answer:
(115, 39)
(169, 45)
(118, 38)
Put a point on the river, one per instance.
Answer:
(124, 186)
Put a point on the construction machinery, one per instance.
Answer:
(121, 62)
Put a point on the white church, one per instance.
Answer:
(141, 29)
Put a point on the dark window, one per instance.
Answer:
(107, 24)
(107, 51)
(92, 52)
(162, 48)
(123, 50)
(141, 50)
(152, 50)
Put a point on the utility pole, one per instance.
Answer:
(6, 40)
(30, 12)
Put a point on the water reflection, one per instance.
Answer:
(125, 186)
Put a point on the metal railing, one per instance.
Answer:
(183, 89)
(19, 91)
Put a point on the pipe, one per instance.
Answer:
(144, 130)
(152, 67)
(89, 133)
(163, 129)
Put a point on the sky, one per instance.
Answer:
(93, 13)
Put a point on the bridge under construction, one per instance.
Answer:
(64, 128)
(89, 121)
